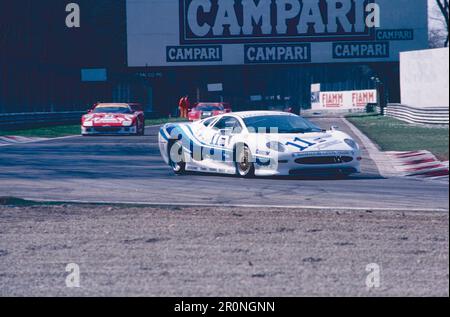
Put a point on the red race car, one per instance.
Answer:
(114, 118)
(204, 110)
(227, 107)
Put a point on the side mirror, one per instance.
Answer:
(334, 128)
(89, 111)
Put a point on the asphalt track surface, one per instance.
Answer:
(130, 170)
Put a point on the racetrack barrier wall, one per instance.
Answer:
(437, 115)
(16, 121)
(10, 121)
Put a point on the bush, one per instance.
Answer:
(371, 107)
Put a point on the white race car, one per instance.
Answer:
(261, 143)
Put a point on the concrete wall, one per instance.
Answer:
(424, 78)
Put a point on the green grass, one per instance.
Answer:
(19, 202)
(395, 135)
(163, 121)
(66, 130)
(12, 201)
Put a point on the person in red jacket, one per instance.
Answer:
(182, 107)
(188, 105)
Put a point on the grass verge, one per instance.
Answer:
(149, 122)
(66, 130)
(13, 201)
(395, 135)
(19, 202)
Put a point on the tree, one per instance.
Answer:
(439, 34)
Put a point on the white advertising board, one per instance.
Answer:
(215, 87)
(345, 100)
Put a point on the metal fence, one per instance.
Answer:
(10, 121)
(16, 121)
(438, 115)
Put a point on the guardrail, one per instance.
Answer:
(10, 121)
(437, 115)
(23, 120)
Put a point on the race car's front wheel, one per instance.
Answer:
(176, 158)
(244, 162)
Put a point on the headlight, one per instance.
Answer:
(127, 123)
(276, 146)
(352, 144)
(88, 124)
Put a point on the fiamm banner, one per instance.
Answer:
(345, 100)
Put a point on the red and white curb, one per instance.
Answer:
(420, 164)
(8, 140)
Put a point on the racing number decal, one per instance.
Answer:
(219, 140)
(302, 145)
(215, 139)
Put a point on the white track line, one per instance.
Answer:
(43, 140)
(164, 204)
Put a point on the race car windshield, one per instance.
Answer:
(121, 110)
(281, 124)
(209, 108)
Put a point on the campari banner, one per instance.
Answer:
(238, 32)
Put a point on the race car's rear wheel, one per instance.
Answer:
(244, 162)
(140, 129)
(176, 152)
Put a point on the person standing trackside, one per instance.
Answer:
(188, 106)
(182, 107)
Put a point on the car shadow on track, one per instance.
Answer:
(335, 177)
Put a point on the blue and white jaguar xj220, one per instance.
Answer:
(258, 143)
